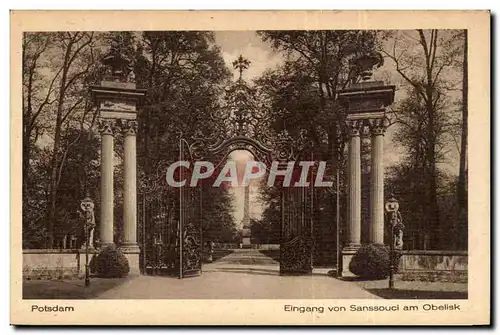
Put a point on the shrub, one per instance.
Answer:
(111, 263)
(372, 262)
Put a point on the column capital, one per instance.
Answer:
(378, 126)
(107, 126)
(129, 127)
(354, 127)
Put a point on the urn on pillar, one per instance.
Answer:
(365, 101)
(117, 98)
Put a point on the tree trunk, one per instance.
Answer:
(27, 127)
(433, 206)
(462, 177)
(51, 217)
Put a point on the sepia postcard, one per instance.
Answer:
(250, 168)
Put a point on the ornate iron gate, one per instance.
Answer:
(297, 242)
(159, 225)
(190, 227)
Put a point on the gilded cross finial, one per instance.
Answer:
(241, 64)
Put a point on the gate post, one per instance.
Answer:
(365, 102)
(117, 98)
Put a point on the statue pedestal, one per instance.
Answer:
(347, 254)
(246, 243)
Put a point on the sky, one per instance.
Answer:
(248, 44)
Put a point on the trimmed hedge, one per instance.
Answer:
(111, 263)
(372, 262)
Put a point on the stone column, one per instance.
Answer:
(354, 184)
(129, 128)
(377, 128)
(107, 128)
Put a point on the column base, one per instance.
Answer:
(347, 254)
(132, 252)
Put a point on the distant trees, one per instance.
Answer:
(186, 78)
(462, 175)
(57, 68)
(301, 96)
(429, 63)
(268, 228)
(217, 208)
(184, 73)
(431, 68)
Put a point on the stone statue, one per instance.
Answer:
(131, 77)
(362, 66)
(398, 227)
(210, 251)
(116, 60)
(87, 207)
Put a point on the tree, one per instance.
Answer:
(269, 226)
(185, 75)
(70, 97)
(462, 176)
(34, 99)
(302, 99)
(54, 102)
(218, 223)
(426, 61)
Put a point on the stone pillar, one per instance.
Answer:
(353, 238)
(354, 184)
(129, 128)
(377, 128)
(129, 245)
(107, 128)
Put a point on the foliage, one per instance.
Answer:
(301, 96)
(57, 69)
(427, 121)
(184, 73)
(111, 263)
(265, 231)
(372, 261)
(218, 223)
(186, 77)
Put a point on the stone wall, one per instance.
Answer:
(434, 265)
(53, 263)
(425, 265)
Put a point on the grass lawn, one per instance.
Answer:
(274, 254)
(415, 289)
(218, 254)
(69, 289)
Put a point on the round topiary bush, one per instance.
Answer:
(372, 262)
(111, 263)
